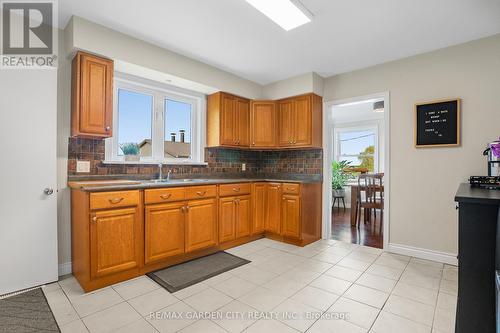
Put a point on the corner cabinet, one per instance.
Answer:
(92, 96)
(263, 124)
(228, 120)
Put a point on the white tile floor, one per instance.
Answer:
(341, 287)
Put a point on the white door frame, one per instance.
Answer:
(328, 159)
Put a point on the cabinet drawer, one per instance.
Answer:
(234, 189)
(289, 188)
(164, 195)
(106, 200)
(198, 192)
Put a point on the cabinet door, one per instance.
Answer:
(286, 123)
(243, 121)
(164, 231)
(115, 241)
(259, 207)
(243, 216)
(228, 119)
(263, 127)
(290, 215)
(201, 224)
(227, 219)
(303, 121)
(273, 221)
(96, 96)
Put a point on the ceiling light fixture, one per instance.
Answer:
(288, 14)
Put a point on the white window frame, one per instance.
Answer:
(160, 93)
(338, 129)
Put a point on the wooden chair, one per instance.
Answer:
(370, 196)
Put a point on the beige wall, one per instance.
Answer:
(297, 85)
(86, 35)
(63, 132)
(424, 181)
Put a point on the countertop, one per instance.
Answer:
(128, 184)
(469, 194)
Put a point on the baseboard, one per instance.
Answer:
(444, 257)
(65, 269)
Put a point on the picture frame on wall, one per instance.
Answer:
(437, 124)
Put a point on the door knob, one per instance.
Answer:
(48, 191)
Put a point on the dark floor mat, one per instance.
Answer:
(28, 312)
(183, 275)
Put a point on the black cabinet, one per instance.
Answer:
(477, 246)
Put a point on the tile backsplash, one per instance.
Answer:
(219, 161)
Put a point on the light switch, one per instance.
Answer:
(82, 166)
(243, 166)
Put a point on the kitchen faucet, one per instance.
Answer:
(168, 175)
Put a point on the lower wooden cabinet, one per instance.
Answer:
(259, 198)
(164, 231)
(227, 218)
(122, 234)
(290, 215)
(234, 217)
(201, 224)
(115, 241)
(273, 208)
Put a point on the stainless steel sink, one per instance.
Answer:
(173, 181)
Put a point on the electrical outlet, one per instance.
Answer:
(82, 166)
(243, 166)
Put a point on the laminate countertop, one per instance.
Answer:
(132, 184)
(469, 194)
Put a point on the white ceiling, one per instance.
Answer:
(344, 35)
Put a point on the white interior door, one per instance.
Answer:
(28, 215)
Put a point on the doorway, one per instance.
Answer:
(356, 154)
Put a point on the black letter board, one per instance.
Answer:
(437, 124)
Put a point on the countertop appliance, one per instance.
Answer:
(493, 161)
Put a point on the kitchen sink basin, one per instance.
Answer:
(173, 181)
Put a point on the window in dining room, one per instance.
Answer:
(358, 146)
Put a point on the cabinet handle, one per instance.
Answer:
(236, 189)
(253, 143)
(107, 128)
(183, 209)
(94, 218)
(187, 208)
(200, 193)
(165, 196)
(115, 200)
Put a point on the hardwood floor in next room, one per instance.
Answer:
(368, 234)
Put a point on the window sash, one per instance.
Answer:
(160, 94)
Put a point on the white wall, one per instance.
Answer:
(424, 181)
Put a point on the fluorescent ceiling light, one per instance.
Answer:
(288, 14)
(358, 102)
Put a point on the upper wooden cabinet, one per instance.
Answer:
(294, 122)
(263, 124)
(228, 121)
(300, 122)
(92, 96)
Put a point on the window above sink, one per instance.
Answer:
(158, 122)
